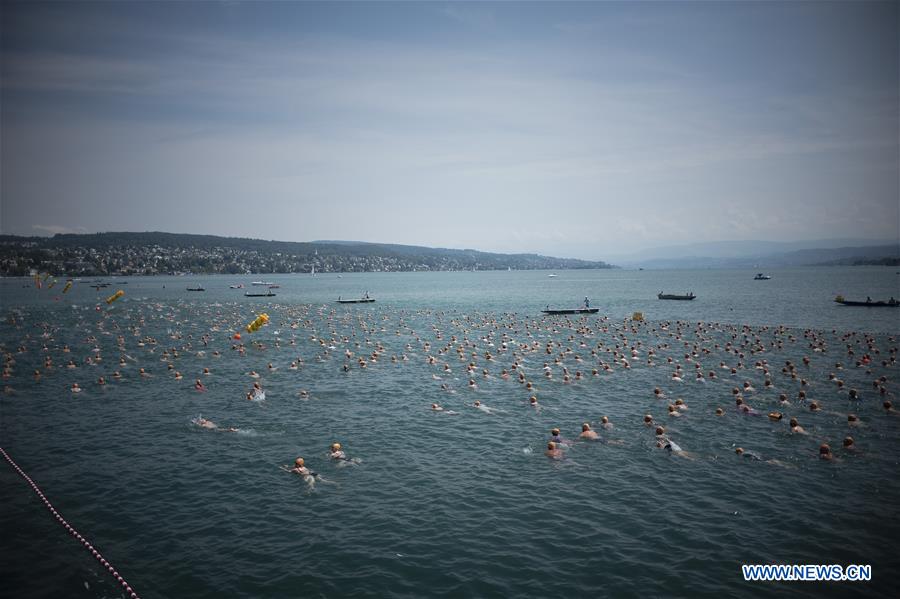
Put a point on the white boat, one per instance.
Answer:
(551, 275)
(262, 284)
(238, 286)
(761, 277)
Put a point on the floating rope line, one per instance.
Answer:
(87, 545)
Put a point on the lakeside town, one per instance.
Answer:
(130, 254)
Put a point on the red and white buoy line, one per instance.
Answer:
(128, 590)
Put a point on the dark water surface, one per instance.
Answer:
(440, 504)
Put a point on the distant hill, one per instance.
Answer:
(157, 252)
(759, 254)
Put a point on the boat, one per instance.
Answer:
(196, 289)
(238, 286)
(267, 294)
(891, 303)
(363, 300)
(274, 286)
(761, 277)
(551, 275)
(572, 311)
(672, 296)
(262, 284)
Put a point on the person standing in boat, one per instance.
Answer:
(587, 302)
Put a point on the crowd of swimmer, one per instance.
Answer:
(531, 354)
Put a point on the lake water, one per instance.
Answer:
(463, 504)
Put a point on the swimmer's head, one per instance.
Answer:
(794, 422)
(852, 418)
(719, 411)
(848, 441)
(679, 402)
(585, 427)
(739, 450)
(660, 430)
(299, 462)
(335, 447)
(555, 431)
(824, 450)
(551, 445)
(604, 420)
(648, 418)
(814, 407)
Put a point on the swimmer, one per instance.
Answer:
(888, 407)
(199, 386)
(204, 423)
(553, 452)
(300, 468)
(849, 443)
(480, 406)
(673, 412)
(747, 454)
(852, 420)
(825, 452)
(587, 433)
(436, 407)
(75, 388)
(720, 412)
(337, 453)
(648, 420)
(796, 428)
(605, 423)
(756, 457)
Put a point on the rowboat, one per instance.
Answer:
(671, 296)
(572, 311)
(891, 303)
(363, 300)
(267, 294)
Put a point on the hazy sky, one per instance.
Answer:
(573, 129)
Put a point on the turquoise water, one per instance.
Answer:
(440, 504)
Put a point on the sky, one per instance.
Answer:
(582, 129)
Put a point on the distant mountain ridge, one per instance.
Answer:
(158, 252)
(761, 254)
